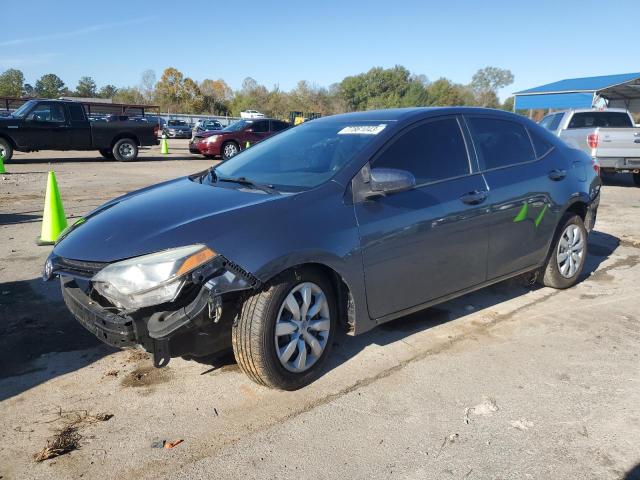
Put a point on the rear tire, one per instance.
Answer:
(275, 358)
(108, 154)
(568, 254)
(636, 179)
(125, 150)
(229, 150)
(6, 149)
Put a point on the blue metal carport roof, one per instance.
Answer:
(580, 92)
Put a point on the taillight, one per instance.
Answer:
(156, 129)
(592, 140)
(596, 165)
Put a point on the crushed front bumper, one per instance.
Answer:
(199, 325)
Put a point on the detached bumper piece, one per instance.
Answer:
(199, 325)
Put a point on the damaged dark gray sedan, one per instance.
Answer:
(344, 222)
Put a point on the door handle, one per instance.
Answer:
(557, 174)
(474, 198)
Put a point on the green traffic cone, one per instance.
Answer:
(164, 146)
(248, 144)
(2, 169)
(53, 218)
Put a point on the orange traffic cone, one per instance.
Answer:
(53, 218)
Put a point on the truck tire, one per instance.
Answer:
(568, 253)
(636, 179)
(108, 154)
(125, 150)
(6, 149)
(284, 333)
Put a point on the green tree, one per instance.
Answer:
(169, 89)
(443, 92)
(108, 91)
(50, 86)
(129, 95)
(11, 83)
(217, 96)
(191, 97)
(148, 84)
(86, 88)
(487, 81)
(28, 90)
(508, 104)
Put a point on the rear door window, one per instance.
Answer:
(277, 126)
(500, 143)
(432, 151)
(540, 144)
(76, 112)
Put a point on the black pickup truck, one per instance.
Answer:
(63, 125)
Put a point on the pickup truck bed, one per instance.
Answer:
(608, 136)
(63, 125)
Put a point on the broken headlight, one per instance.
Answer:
(150, 279)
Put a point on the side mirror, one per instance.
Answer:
(383, 181)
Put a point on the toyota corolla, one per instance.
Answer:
(346, 222)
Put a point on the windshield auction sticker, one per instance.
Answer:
(362, 129)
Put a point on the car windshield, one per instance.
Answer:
(177, 123)
(237, 126)
(302, 157)
(24, 109)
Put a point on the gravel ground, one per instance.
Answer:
(510, 382)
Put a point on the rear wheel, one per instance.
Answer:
(6, 150)
(125, 150)
(568, 255)
(636, 179)
(284, 333)
(108, 154)
(229, 149)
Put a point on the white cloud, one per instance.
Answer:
(73, 33)
(27, 60)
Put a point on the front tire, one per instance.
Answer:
(568, 254)
(125, 150)
(6, 149)
(284, 333)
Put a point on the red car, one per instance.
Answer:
(229, 141)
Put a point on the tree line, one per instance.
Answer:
(377, 88)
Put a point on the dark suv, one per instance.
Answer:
(227, 142)
(345, 222)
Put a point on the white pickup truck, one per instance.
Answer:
(609, 136)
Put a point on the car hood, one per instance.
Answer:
(172, 214)
(8, 121)
(208, 133)
(179, 127)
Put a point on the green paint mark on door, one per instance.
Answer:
(540, 215)
(522, 214)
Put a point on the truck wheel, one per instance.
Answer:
(568, 254)
(108, 154)
(636, 179)
(284, 333)
(6, 149)
(229, 149)
(125, 150)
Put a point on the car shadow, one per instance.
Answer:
(142, 159)
(34, 326)
(17, 218)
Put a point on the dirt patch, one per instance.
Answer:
(137, 355)
(603, 275)
(147, 376)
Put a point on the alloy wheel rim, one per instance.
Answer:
(302, 327)
(230, 150)
(570, 254)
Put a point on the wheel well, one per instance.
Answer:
(10, 140)
(579, 208)
(125, 135)
(346, 306)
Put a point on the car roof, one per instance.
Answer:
(413, 113)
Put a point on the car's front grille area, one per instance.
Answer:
(78, 268)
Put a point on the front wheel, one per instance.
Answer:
(284, 333)
(125, 150)
(568, 254)
(6, 150)
(636, 179)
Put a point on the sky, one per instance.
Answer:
(282, 42)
